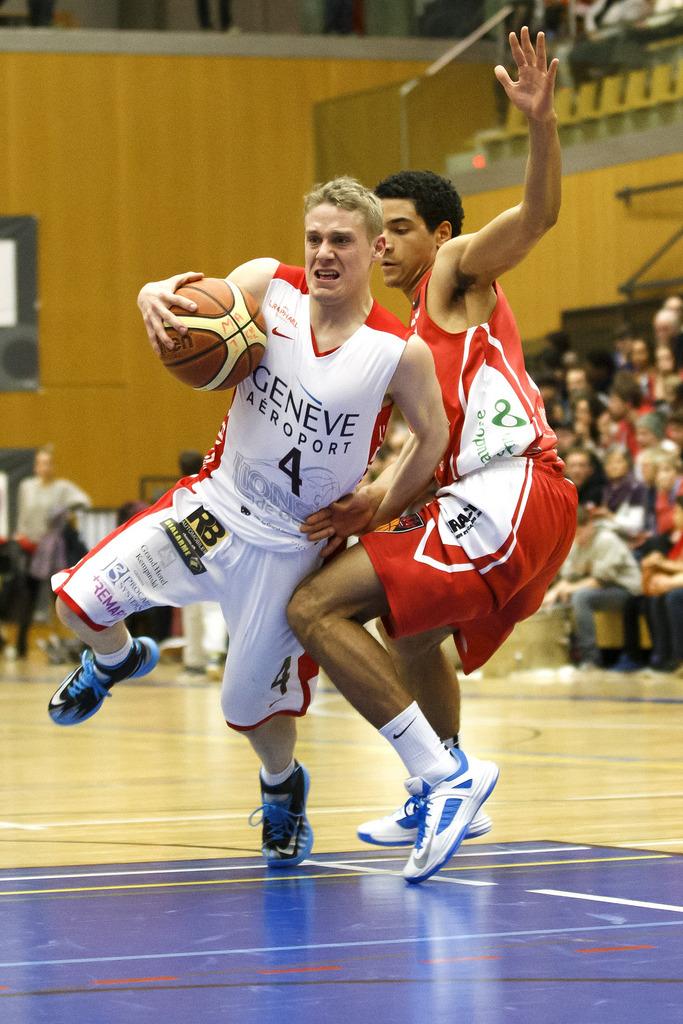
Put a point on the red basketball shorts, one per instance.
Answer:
(479, 558)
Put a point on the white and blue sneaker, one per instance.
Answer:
(445, 813)
(287, 836)
(83, 691)
(400, 828)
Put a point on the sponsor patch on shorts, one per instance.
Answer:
(193, 536)
(404, 524)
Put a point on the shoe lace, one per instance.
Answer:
(281, 822)
(87, 679)
(419, 806)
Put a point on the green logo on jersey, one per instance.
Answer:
(505, 418)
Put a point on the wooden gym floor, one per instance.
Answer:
(131, 886)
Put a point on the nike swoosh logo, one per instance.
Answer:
(57, 700)
(279, 334)
(291, 845)
(397, 734)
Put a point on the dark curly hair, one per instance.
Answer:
(434, 197)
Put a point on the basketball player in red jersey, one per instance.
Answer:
(479, 557)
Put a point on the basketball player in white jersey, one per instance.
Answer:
(300, 433)
(480, 557)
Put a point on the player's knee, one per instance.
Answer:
(64, 613)
(303, 610)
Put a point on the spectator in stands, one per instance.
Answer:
(600, 372)
(551, 392)
(586, 410)
(666, 377)
(674, 302)
(602, 47)
(44, 502)
(607, 432)
(650, 554)
(674, 430)
(648, 462)
(576, 381)
(650, 440)
(550, 359)
(612, 14)
(668, 485)
(566, 438)
(663, 587)
(586, 473)
(624, 498)
(650, 429)
(666, 327)
(643, 368)
(623, 404)
(599, 575)
(621, 347)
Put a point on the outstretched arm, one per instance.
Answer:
(479, 258)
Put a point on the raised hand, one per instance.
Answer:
(533, 91)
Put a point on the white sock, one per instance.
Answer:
(275, 780)
(115, 658)
(418, 746)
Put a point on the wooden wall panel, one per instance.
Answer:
(140, 166)
(597, 243)
(137, 167)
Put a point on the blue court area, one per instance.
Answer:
(529, 932)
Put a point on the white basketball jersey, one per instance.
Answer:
(304, 426)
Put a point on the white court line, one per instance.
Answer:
(353, 866)
(354, 944)
(170, 819)
(608, 899)
(649, 842)
(625, 796)
(488, 853)
(124, 873)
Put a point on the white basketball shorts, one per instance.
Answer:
(176, 553)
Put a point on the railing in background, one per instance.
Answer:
(451, 54)
(634, 282)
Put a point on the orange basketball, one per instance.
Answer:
(225, 340)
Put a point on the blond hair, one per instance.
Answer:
(348, 194)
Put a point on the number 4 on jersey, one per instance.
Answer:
(290, 464)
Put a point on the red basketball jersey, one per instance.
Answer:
(494, 408)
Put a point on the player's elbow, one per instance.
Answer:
(536, 219)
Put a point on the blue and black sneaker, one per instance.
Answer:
(287, 837)
(84, 689)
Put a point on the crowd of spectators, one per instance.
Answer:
(618, 416)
